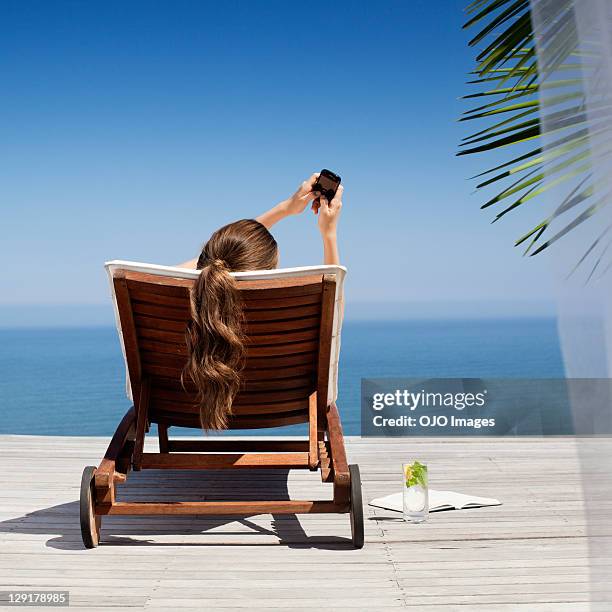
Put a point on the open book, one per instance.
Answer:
(438, 500)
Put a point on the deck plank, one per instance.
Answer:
(538, 551)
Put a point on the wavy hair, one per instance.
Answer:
(214, 336)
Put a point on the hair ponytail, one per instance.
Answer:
(215, 343)
(214, 336)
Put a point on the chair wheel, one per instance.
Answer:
(90, 523)
(356, 507)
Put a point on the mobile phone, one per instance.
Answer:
(327, 184)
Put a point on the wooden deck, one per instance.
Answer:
(536, 552)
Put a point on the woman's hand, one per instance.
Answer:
(298, 202)
(329, 213)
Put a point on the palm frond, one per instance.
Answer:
(524, 93)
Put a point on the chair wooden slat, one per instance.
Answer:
(162, 335)
(260, 410)
(163, 347)
(283, 314)
(290, 348)
(182, 419)
(162, 312)
(252, 341)
(273, 373)
(270, 327)
(149, 322)
(261, 384)
(142, 297)
(286, 302)
(283, 337)
(307, 361)
(258, 289)
(174, 297)
(262, 290)
(275, 351)
(247, 398)
(168, 386)
(253, 316)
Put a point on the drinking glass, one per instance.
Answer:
(415, 492)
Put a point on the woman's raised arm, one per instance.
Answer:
(191, 264)
(328, 217)
(329, 213)
(293, 205)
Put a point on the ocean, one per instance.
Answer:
(70, 382)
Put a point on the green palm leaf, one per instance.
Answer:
(522, 92)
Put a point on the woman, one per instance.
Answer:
(215, 342)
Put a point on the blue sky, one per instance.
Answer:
(134, 129)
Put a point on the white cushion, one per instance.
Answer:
(339, 271)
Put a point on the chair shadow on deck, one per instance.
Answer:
(62, 521)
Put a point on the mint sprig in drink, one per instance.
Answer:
(415, 492)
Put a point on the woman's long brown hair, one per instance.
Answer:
(215, 341)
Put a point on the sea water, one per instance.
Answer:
(72, 381)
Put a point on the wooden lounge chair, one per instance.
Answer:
(292, 324)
